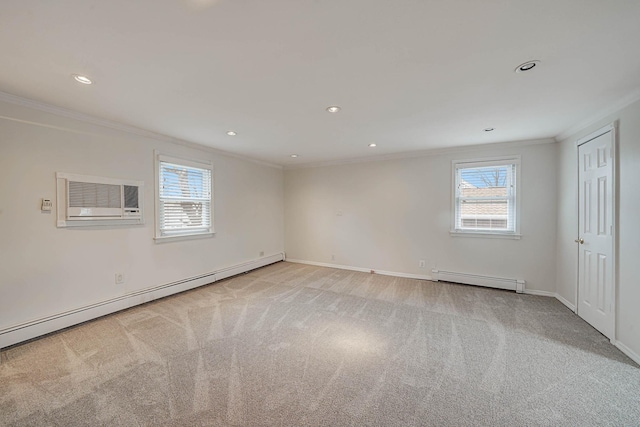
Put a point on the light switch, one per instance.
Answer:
(46, 205)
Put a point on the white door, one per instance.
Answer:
(596, 296)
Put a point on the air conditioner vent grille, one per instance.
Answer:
(95, 195)
(131, 196)
(87, 201)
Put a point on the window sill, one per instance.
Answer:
(484, 234)
(166, 239)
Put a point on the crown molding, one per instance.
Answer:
(110, 124)
(612, 109)
(423, 153)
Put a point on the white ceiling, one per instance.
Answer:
(408, 74)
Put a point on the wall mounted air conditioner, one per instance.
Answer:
(90, 200)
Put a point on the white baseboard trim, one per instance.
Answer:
(539, 293)
(478, 280)
(35, 328)
(491, 282)
(566, 302)
(361, 269)
(626, 350)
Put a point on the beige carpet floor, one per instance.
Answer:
(295, 345)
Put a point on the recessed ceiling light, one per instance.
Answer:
(489, 129)
(231, 133)
(294, 156)
(333, 109)
(82, 79)
(527, 66)
(373, 144)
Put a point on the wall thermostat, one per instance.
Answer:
(46, 205)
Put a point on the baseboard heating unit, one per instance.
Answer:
(38, 327)
(478, 280)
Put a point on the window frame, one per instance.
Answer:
(207, 165)
(516, 205)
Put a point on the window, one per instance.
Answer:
(184, 198)
(486, 197)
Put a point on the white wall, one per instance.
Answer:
(396, 212)
(628, 250)
(46, 270)
(393, 213)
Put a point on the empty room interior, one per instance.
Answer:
(319, 212)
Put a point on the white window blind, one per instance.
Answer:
(185, 201)
(485, 196)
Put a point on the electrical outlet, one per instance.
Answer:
(261, 253)
(333, 257)
(119, 278)
(422, 264)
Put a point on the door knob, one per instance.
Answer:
(581, 241)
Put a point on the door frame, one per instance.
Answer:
(613, 128)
